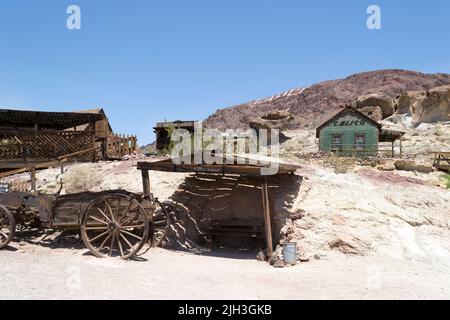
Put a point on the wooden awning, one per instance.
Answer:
(46, 120)
(245, 169)
(388, 135)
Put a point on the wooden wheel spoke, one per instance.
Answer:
(104, 241)
(98, 220)
(3, 234)
(99, 236)
(110, 210)
(132, 235)
(112, 245)
(140, 226)
(96, 228)
(120, 245)
(104, 214)
(126, 240)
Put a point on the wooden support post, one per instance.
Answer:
(267, 221)
(146, 182)
(33, 179)
(401, 149)
(94, 153)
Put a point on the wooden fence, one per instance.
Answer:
(442, 161)
(117, 146)
(26, 146)
(42, 145)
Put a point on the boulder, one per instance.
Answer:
(299, 214)
(261, 256)
(375, 113)
(279, 264)
(388, 166)
(277, 119)
(302, 254)
(378, 100)
(426, 106)
(345, 243)
(411, 165)
(277, 255)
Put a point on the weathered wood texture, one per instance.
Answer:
(237, 169)
(442, 161)
(27, 146)
(118, 146)
(42, 145)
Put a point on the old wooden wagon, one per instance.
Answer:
(112, 223)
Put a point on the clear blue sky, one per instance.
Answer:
(150, 60)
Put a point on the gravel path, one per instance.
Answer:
(36, 272)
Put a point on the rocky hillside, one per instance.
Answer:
(311, 106)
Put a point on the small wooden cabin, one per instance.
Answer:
(352, 133)
(348, 132)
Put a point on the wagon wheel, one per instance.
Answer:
(7, 227)
(115, 225)
(160, 225)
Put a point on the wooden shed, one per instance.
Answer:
(30, 137)
(163, 131)
(229, 185)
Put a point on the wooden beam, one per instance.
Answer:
(267, 220)
(146, 183)
(33, 179)
(393, 150)
(45, 164)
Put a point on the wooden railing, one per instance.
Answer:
(32, 168)
(44, 145)
(442, 161)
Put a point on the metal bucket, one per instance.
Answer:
(290, 253)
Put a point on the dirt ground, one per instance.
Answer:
(32, 271)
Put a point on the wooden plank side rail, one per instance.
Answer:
(55, 162)
(442, 161)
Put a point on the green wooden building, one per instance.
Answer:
(349, 132)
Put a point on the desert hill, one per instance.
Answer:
(311, 106)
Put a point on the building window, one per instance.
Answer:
(336, 144)
(360, 141)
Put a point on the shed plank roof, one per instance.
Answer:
(246, 169)
(45, 119)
